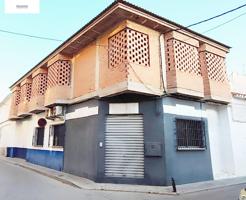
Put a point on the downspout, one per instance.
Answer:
(164, 86)
(163, 63)
(97, 66)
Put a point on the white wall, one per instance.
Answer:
(7, 128)
(7, 133)
(237, 82)
(237, 113)
(220, 141)
(19, 133)
(183, 107)
(25, 129)
(4, 109)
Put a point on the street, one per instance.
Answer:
(17, 183)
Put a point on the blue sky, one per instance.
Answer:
(61, 18)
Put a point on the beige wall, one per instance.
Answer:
(84, 66)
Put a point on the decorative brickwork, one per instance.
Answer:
(16, 97)
(26, 90)
(215, 81)
(15, 102)
(59, 73)
(64, 73)
(184, 72)
(39, 85)
(129, 46)
(183, 56)
(216, 67)
(53, 75)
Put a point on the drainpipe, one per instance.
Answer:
(163, 62)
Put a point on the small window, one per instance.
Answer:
(190, 134)
(58, 135)
(38, 139)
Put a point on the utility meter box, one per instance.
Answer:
(153, 149)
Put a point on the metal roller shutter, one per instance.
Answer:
(124, 146)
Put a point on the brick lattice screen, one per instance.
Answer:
(183, 57)
(39, 85)
(59, 73)
(129, 46)
(216, 67)
(26, 91)
(17, 97)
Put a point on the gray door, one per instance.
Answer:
(124, 146)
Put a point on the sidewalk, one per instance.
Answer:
(86, 184)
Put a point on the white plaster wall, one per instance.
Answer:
(220, 141)
(83, 110)
(124, 108)
(25, 129)
(183, 107)
(7, 133)
(4, 109)
(7, 128)
(237, 82)
(237, 112)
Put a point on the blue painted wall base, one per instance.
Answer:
(46, 158)
(16, 152)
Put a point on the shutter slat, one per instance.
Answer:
(124, 146)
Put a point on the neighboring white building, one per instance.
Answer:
(237, 113)
(220, 141)
(227, 132)
(7, 128)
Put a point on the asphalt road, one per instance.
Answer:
(17, 183)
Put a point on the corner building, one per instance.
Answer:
(126, 99)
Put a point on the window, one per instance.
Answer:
(38, 138)
(58, 132)
(190, 134)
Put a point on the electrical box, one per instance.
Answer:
(153, 149)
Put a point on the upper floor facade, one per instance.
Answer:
(125, 49)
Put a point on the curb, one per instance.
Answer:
(156, 190)
(212, 188)
(41, 172)
(49, 175)
(96, 187)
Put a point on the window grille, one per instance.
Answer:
(190, 134)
